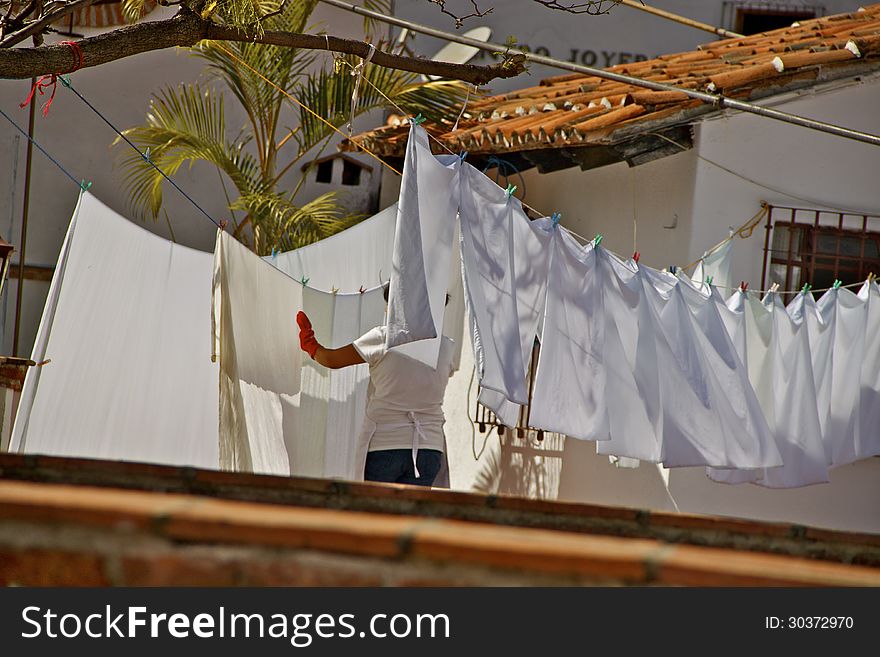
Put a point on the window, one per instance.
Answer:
(351, 173)
(818, 247)
(325, 172)
(756, 17)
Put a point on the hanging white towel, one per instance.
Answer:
(848, 314)
(259, 357)
(489, 265)
(787, 392)
(422, 256)
(868, 437)
(569, 390)
(126, 331)
(717, 266)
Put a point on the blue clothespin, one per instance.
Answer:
(510, 190)
(274, 252)
(807, 287)
(837, 284)
(463, 155)
(597, 240)
(418, 119)
(304, 280)
(554, 219)
(708, 280)
(85, 185)
(146, 154)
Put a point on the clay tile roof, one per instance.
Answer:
(576, 110)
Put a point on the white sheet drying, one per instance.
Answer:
(126, 327)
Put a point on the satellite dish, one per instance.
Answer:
(457, 53)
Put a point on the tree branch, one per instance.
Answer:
(187, 29)
(39, 25)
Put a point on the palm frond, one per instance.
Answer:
(183, 125)
(278, 222)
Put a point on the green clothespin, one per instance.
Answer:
(418, 119)
(837, 284)
(597, 240)
(708, 280)
(807, 287)
(510, 190)
(85, 185)
(65, 80)
(304, 280)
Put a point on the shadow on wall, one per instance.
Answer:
(524, 467)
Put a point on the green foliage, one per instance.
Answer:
(187, 124)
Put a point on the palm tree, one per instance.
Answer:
(187, 123)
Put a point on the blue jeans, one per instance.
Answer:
(395, 466)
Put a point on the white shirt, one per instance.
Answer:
(405, 396)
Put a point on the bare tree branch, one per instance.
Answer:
(459, 20)
(187, 29)
(591, 7)
(43, 22)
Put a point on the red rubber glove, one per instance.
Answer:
(307, 341)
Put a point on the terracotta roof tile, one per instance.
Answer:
(557, 111)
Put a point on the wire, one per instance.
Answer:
(66, 82)
(308, 109)
(67, 173)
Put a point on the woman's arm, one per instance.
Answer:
(337, 358)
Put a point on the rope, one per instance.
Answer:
(82, 185)
(745, 231)
(144, 155)
(308, 109)
(51, 80)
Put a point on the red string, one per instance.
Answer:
(46, 81)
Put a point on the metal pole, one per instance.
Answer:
(24, 222)
(712, 99)
(668, 15)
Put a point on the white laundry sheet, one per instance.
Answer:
(642, 362)
(717, 266)
(422, 256)
(777, 349)
(126, 332)
(357, 258)
(867, 440)
(259, 355)
(505, 260)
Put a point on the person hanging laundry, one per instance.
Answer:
(402, 439)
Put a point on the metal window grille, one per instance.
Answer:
(486, 419)
(803, 245)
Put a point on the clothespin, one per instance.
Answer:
(223, 224)
(597, 240)
(774, 288)
(304, 280)
(146, 154)
(636, 257)
(554, 219)
(673, 269)
(708, 280)
(871, 277)
(85, 185)
(362, 290)
(806, 288)
(334, 290)
(65, 79)
(837, 284)
(274, 252)
(510, 190)
(463, 155)
(418, 119)
(743, 286)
